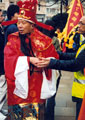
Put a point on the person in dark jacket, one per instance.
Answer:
(50, 102)
(74, 62)
(12, 14)
(3, 86)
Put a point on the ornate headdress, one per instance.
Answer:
(28, 10)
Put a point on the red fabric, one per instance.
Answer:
(82, 110)
(5, 23)
(28, 9)
(43, 44)
(48, 27)
(11, 53)
(75, 13)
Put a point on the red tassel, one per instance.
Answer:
(48, 27)
(5, 23)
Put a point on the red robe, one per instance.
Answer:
(41, 46)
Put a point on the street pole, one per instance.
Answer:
(66, 3)
(61, 7)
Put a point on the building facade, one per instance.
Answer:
(45, 10)
(5, 3)
(41, 11)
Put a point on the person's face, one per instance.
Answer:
(25, 27)
(15, 17)
(81, 27)
(58, 30)
(1, 17)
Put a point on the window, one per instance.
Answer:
(48, 10)
(53, 10)
(47, 0)
(50, 1)
(11, 3)
(39, 7)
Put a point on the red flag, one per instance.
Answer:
(82, 110)
(75, 13)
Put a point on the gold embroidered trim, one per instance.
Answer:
(44, 48)
(22, 16)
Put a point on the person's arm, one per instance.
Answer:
(69, 65)
(66, 56)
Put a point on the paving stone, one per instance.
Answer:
(65, 90)
(63, 97)
(65, 111)
(65, 108)
(64, 118)
(70, 104)
(61, 100)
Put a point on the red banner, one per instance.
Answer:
(75, 13)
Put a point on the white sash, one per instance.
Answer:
(21, 75)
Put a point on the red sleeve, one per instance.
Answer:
(51, 52)
(10, 58)
(11, 54)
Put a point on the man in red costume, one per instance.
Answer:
(28, 86)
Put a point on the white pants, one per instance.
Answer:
(3, 94)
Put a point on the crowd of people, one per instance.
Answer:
(31, 62)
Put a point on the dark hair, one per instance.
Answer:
(12, 9)
(51, 32)
(25, 47)
(0, 10)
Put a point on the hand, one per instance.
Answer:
(34, 60)
(43, 62)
